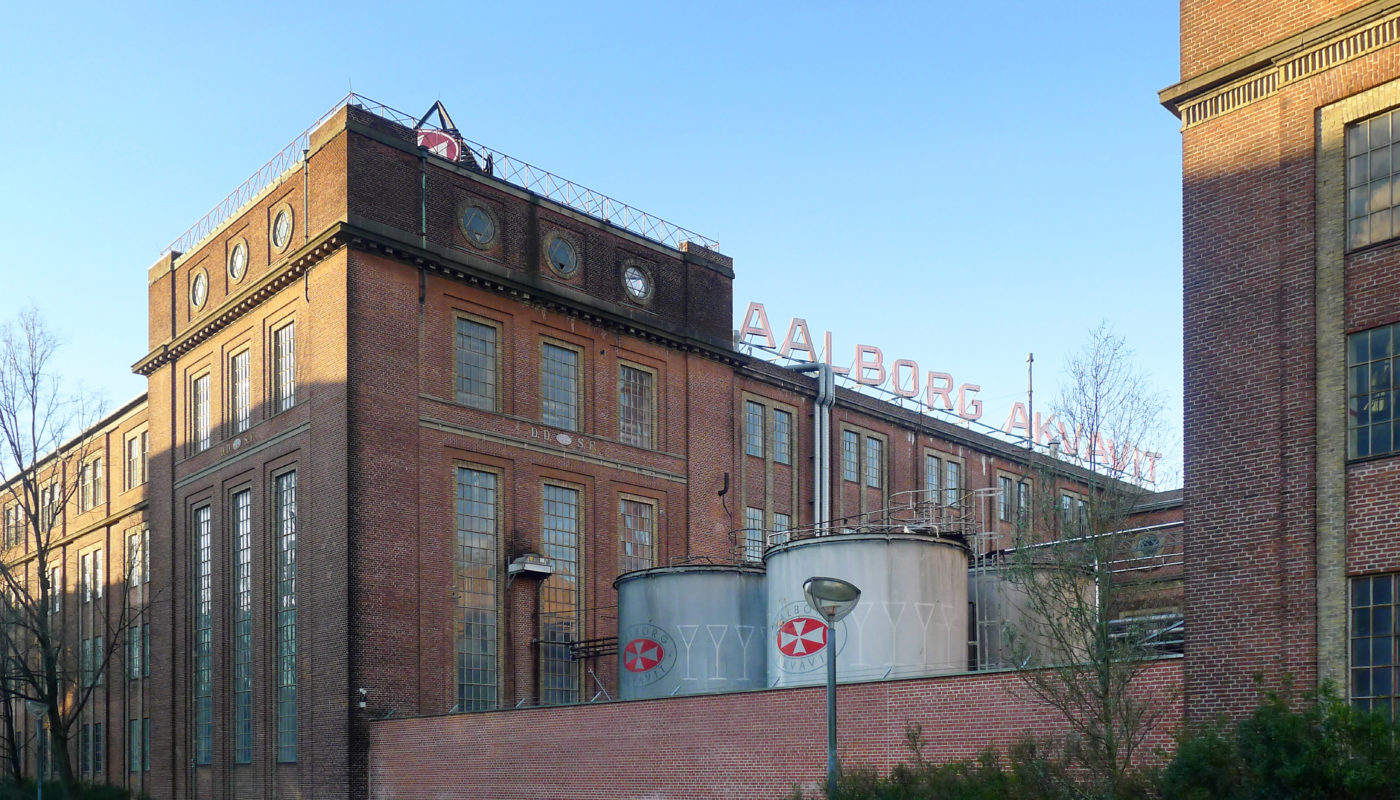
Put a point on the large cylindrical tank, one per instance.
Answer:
(911, 618)
(1014, 631)
(690, 629)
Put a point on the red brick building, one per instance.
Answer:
(1291, 295)
(386, 385)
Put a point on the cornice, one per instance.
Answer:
(343, 234)
(1264, 72)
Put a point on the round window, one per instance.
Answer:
(562, 257)
(238, 261)
(637, 283)
(282, 228)
(199, 290)
(478, 226)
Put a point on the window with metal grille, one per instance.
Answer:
(753, 428)
(874, 462)
(1374, 641)
(476, 364)
(754, 534)
(203, 637)
(782, 437)
(560, 596)
(284, 368)
(1373, 172)
(240, 388)
(242, 503)
(559, 385)
(637, 549)
(933, 477)
(636, 404)
(952, 483)
(199, 414)
(133, 745)
(1373, 357)
(782, 524)
(850, 456)
(475, 566)
(285, 497)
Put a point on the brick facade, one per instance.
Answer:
(359, 279)
(1277, 520)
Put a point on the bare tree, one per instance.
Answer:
(46, 435)
(1073, 538)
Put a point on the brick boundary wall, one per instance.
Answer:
(741, 745)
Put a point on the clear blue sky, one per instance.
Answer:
(957, 183)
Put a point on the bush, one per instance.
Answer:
(25, 790)
(1322, 749)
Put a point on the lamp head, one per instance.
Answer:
(833, 598)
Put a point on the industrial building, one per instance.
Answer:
(1292, 483)
(433, 437)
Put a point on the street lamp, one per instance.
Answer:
(833, 598)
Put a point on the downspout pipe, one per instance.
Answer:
(821, 442)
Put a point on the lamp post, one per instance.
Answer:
(833, 599)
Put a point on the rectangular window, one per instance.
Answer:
(476, 364)
(199, 414)
(145, 455)
(782, 524)
(55, 590)
(90, 494)
(242, 627)
(476, 622)
(952, 483)
(754, 534)
(1374, 639)
(782, 437)
(203, 536)
(636, 404)
(850, 456)
(1372, 359)
(14, 526)
(1004, 498)
(559, 384)
(133, 745)
(133, 654)
(1371, 174)
(753, 428)
(560, 596)
(98, 745)
(874, 462)
(636, 525)
(146, 744)
(49, 500)
(240, 391)
(285, 497)
(145, 649)
(85, 674)
(933, 479)
(99, 656)
(85, 749)
(284, 368)
(1023, 502)
(85, 577)
(134, 460)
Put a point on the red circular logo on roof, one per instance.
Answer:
(440, 144)
(801, 636)
(641, 655)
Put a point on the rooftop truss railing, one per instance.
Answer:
(493, 162)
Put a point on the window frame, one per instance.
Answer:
(498, 508)
(755, 425)
(579, 388)
(1365, 371)
(651, 503)
(201, 436)
(282, 371)
(240, 418)
(651, 426)
(497, 373)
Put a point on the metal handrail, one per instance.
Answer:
(493, 162)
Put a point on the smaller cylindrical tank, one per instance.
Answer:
(691, 629)
(1012, 631)
(911, 619)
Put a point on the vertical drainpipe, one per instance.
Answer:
(423, 197)
(821, 442)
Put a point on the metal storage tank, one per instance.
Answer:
(1007, 633)
(911, 619)
(690, 629)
